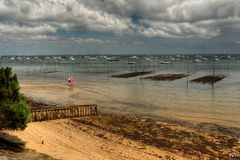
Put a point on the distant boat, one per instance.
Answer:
(148, 59)
(12, 58)
(93, 58)
(133, 57)
(230, 57)
(60, 58)
(112, 58)
(197, 60)
(165, 62)
(130, 62)
(57, 58)
(71, 58)
(198, 56)
(175, 59)
(47, 58)
(204, 59)
(216, 59)
(36, 58)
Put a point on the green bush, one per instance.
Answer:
(14, 112)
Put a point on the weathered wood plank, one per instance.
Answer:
(63, 112)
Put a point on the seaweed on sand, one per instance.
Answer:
(170, 137)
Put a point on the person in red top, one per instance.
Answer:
(70, 81)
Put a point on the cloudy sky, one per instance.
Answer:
(119, 26)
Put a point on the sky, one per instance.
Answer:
(42, 27)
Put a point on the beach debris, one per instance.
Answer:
(210, 79)
(166, 77)
(132, 74)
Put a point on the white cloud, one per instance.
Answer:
(17, 29)
(92, 40)
(177, 30)
(237, 42)
(63, 14)
(176, 18)
(157, 18)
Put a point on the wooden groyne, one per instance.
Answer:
(132, 74)
(63, 112)
(210, 79)
(166, 77)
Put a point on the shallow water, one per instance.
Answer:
(179, 99)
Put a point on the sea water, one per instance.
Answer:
(179, 99)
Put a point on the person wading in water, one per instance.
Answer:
(70, 81)
(70, 84)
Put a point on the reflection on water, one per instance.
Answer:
(71, 91)
(178, 99)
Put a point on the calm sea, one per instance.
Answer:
(179, 99)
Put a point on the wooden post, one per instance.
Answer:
(213, 75)
(81, 112)
(87, 108)
(51, 114)
(78, 111)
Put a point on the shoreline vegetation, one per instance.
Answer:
(115, 134)
(14, 115)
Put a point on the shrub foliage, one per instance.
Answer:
(14, 112)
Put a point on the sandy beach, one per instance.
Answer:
(125, 137)
(64, 139)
